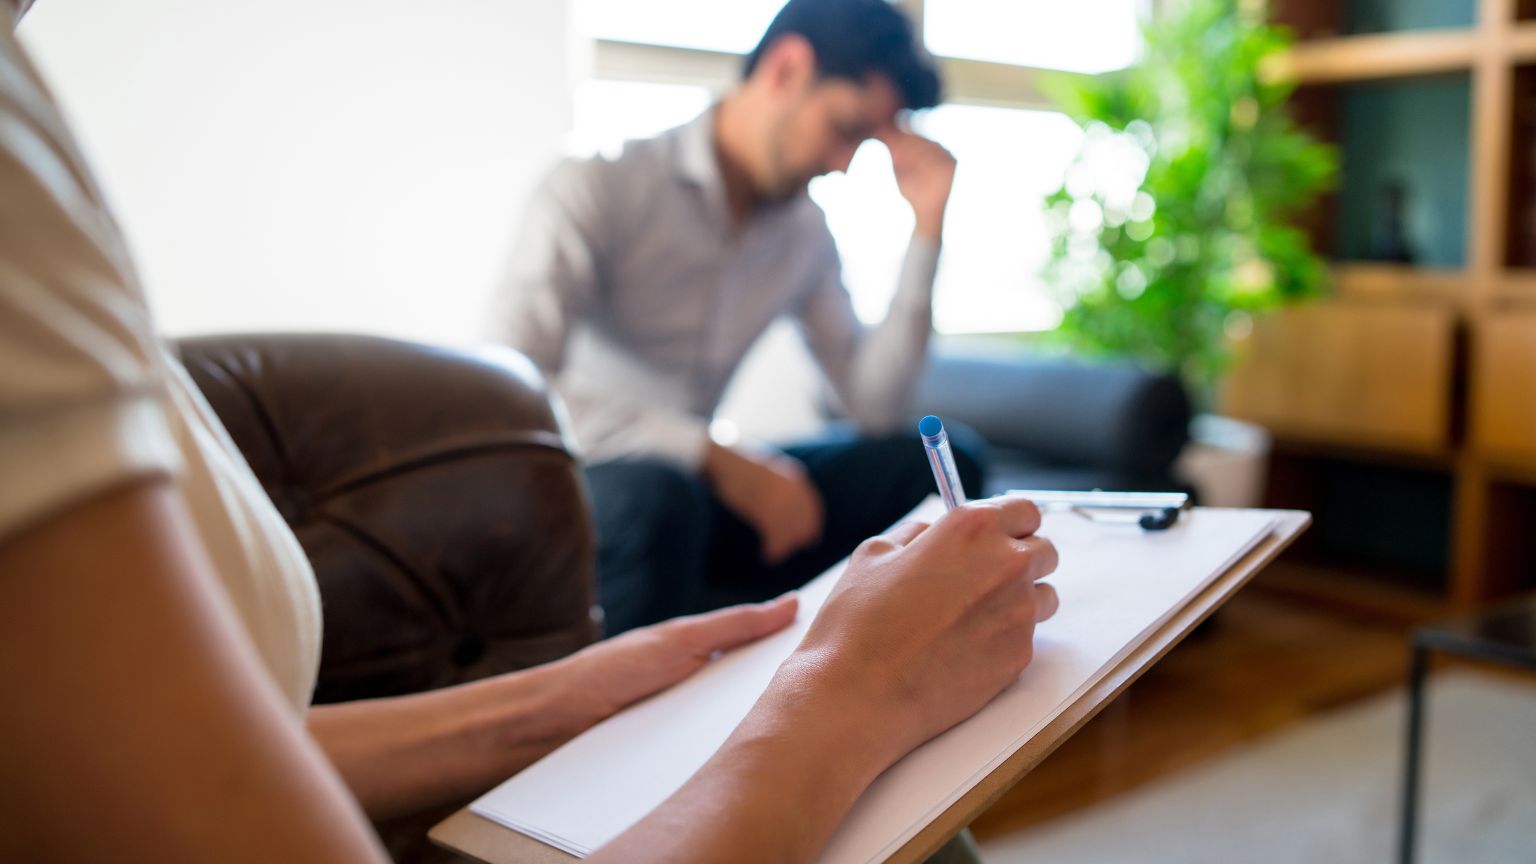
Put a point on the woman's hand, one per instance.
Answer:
(928, 624)
(407, 753)
(620, 671)
(925, 626)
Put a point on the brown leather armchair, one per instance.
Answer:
(439, 503)
(444, 514)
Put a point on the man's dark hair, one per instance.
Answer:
(853, 38)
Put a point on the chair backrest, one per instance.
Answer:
(441, 507)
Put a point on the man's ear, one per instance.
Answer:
(789, 64)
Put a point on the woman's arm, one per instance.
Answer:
(138, 723)
(404, 754)
(775, 791)
(923, 629)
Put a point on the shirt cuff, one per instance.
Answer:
(680, 439)
(918, 270)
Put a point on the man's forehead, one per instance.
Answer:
(875, 98)
(882, 98)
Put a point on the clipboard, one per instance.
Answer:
(483, 840)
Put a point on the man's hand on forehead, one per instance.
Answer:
(907, 146)
(925, 172)
(899, 123)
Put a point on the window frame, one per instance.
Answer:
(966, 81)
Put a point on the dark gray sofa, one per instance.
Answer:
(1056, 423)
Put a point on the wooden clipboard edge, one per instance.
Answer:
(477, 837)
(972, 804)
(483, 840)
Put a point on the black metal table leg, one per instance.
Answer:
(1504, 634)
(1411, 768)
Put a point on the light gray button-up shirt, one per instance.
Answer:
(634, 292)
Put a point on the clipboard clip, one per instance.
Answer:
(1151, 511)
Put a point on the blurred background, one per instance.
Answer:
(1325, 230)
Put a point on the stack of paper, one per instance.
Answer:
(1117, 585)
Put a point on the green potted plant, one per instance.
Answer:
(1175, 225)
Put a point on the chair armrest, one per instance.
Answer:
(439, 503)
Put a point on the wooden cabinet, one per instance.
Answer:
(1417, 378)
(1503, 395)
(1360, 374)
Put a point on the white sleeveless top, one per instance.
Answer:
(89, 401)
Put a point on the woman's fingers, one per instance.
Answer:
(906, 532)
(1020, 516)
(1046, 601)
(1016, 516)
(735, 626)
(1043, 558)
(1023, 603)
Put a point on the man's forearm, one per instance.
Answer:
(892, 355)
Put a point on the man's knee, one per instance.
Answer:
(650, 497)
(653, 523)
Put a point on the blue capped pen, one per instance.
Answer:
(942, 460)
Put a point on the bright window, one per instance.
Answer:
(994, 236)
(1077, 36)
(712, 25)
(608, 113)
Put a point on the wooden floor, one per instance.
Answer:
(1269, 659)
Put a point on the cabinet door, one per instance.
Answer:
(1504, 386)
(1360, 374)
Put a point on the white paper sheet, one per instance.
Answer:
(1117, 585)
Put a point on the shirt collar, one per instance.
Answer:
(696, 162)
(15, 8)
(695, 155)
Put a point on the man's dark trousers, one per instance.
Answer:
(668, 547)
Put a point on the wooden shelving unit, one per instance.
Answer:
(1376, 56)
(1426, 369)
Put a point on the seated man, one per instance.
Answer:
(638, 284)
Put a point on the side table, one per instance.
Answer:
(1505, 634)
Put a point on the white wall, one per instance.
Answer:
(353, 165)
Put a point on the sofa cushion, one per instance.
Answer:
(1114, 418)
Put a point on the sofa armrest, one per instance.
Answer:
(443, 512)
(1114, 416)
